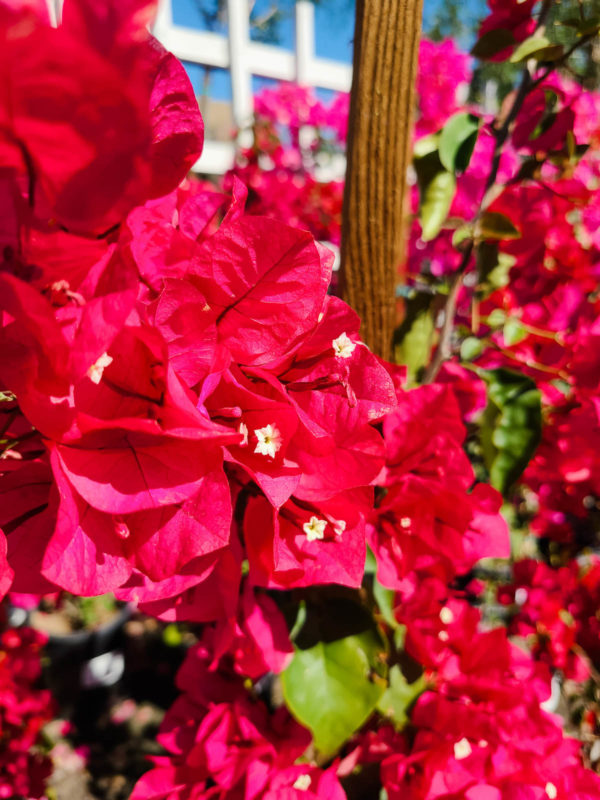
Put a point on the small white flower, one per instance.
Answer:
(121, 529)
(314, 528)
(521, 596)
(269, 440)
(302, 782)
(462, 749)
(443, 636)
(243, 429)
(343, 346)
(405, 522)
(446, 615)
(94, 373)
(551, 790)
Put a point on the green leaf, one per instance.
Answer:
(329, 687)
(511, 425)
(538, 47)
(400, 637)
(436, 199)
(584, 27)
(470, 348)
(457, 141)
(513, 332)
(497, 227)
(492, 43)
(413, 338)
(385, 601)
(589, 27)
(437, 187)
(370, 562)
(493, 267)
(399, 696)
(462, 236)
(496, 318)
(299, 621)
(426, 145)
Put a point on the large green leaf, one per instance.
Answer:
(511, 425)
(333, 687)
(457, 141)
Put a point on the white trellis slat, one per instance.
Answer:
(245, 58)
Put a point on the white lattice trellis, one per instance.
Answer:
(244, 58)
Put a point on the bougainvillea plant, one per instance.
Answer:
(190, 420)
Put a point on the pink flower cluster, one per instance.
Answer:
(479, 729)
(190, 420)
(226, 743)
(556, 610)
(24, 709)
(429, 525)
(170, 368)
(482, 734)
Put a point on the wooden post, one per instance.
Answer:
(386, 48)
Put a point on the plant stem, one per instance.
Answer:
(444, 348)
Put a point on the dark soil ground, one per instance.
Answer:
(101, 748)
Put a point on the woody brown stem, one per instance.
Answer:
(386, 48)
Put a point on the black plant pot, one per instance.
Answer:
(82, 646)
(83, 669)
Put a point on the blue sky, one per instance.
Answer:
(334, 28)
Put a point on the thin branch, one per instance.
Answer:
(563, 59)
(444, 348)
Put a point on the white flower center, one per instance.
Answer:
(343, 346)
(462, 749)
(302, 782)
(521, 596)
(121, 529)
(269, 440)
(94, 373)
(446, 615)
(551, 790)
(314, 528)
(405, 522)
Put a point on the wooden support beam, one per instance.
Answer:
(386, 49)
